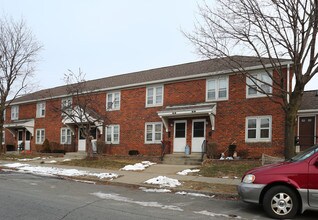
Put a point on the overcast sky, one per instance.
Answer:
(104, 37)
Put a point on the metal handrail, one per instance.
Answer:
(203, 148)
(163, 148)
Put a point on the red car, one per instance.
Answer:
(284, 189)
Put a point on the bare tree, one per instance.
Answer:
(18, 55)
(82, 111)
(274, 29)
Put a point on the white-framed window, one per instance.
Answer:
(258, 82)
(258, 129)
(66, 105)
(66, 136)
(112, 134)
(40, 109)
(14, 112)
(217, 88)
(113, 101)
(40, 136)
(153, 132)
(154, 96)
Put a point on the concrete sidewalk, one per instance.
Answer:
(137, 178)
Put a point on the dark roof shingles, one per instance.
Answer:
(310, 100)
(182, 70)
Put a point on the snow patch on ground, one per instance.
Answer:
(66, 160)
(51, 161)
(211, 214)
(163, 181)
(119, 198)
(144, 189)
(53, 171)
(194, 194)
(138, 166)
(187, 171)
(29, 159)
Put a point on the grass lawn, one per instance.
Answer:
(229, 168)
(214, 168)
(103, 162)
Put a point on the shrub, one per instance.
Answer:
(46, 146)
(211, 150)
(100, 146)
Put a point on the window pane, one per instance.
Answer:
(252, 90)
(150, 96)
(116, 137)
(251, 123)
(211, 94)
(264, 133)
(158, 95)
(109, 138)
(149, 137)
(159, 91)
(158, 136)
(222, 93)
(116, 129)
(266, 88)
(198, 129)
(251, 134)
(180, 130)
(264, 123)
(158, 99)
(158, 128)
(222, 83)
(211, 84)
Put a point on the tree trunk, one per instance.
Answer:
(89, 147)
(290, 135)
(290, 123)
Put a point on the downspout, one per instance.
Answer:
(288, 81)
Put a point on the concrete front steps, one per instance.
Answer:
(182, 159)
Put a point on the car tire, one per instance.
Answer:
(280, 202)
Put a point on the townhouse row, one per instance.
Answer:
(187, 104)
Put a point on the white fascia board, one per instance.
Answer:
(162, 81)
(307, 111)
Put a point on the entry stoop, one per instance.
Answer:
(182, 159)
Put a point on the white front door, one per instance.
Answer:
(27, 140)
(81, 141)
(180, 136)
(20, 137)
(198, 134)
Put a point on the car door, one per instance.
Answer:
(313, 182)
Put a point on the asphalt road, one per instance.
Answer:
(25, 196)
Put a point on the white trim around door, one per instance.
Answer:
(180, 136)
(198, 134)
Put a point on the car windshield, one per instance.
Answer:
(305, 154)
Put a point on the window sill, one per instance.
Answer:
(257, 141)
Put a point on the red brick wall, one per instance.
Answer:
(230, 118)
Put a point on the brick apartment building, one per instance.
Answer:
(180, 105)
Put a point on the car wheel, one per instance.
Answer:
(280, 202)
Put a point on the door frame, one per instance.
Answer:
(79, 140)
(27, 143)
(22, 137)
(174, 134)
(192, 132)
